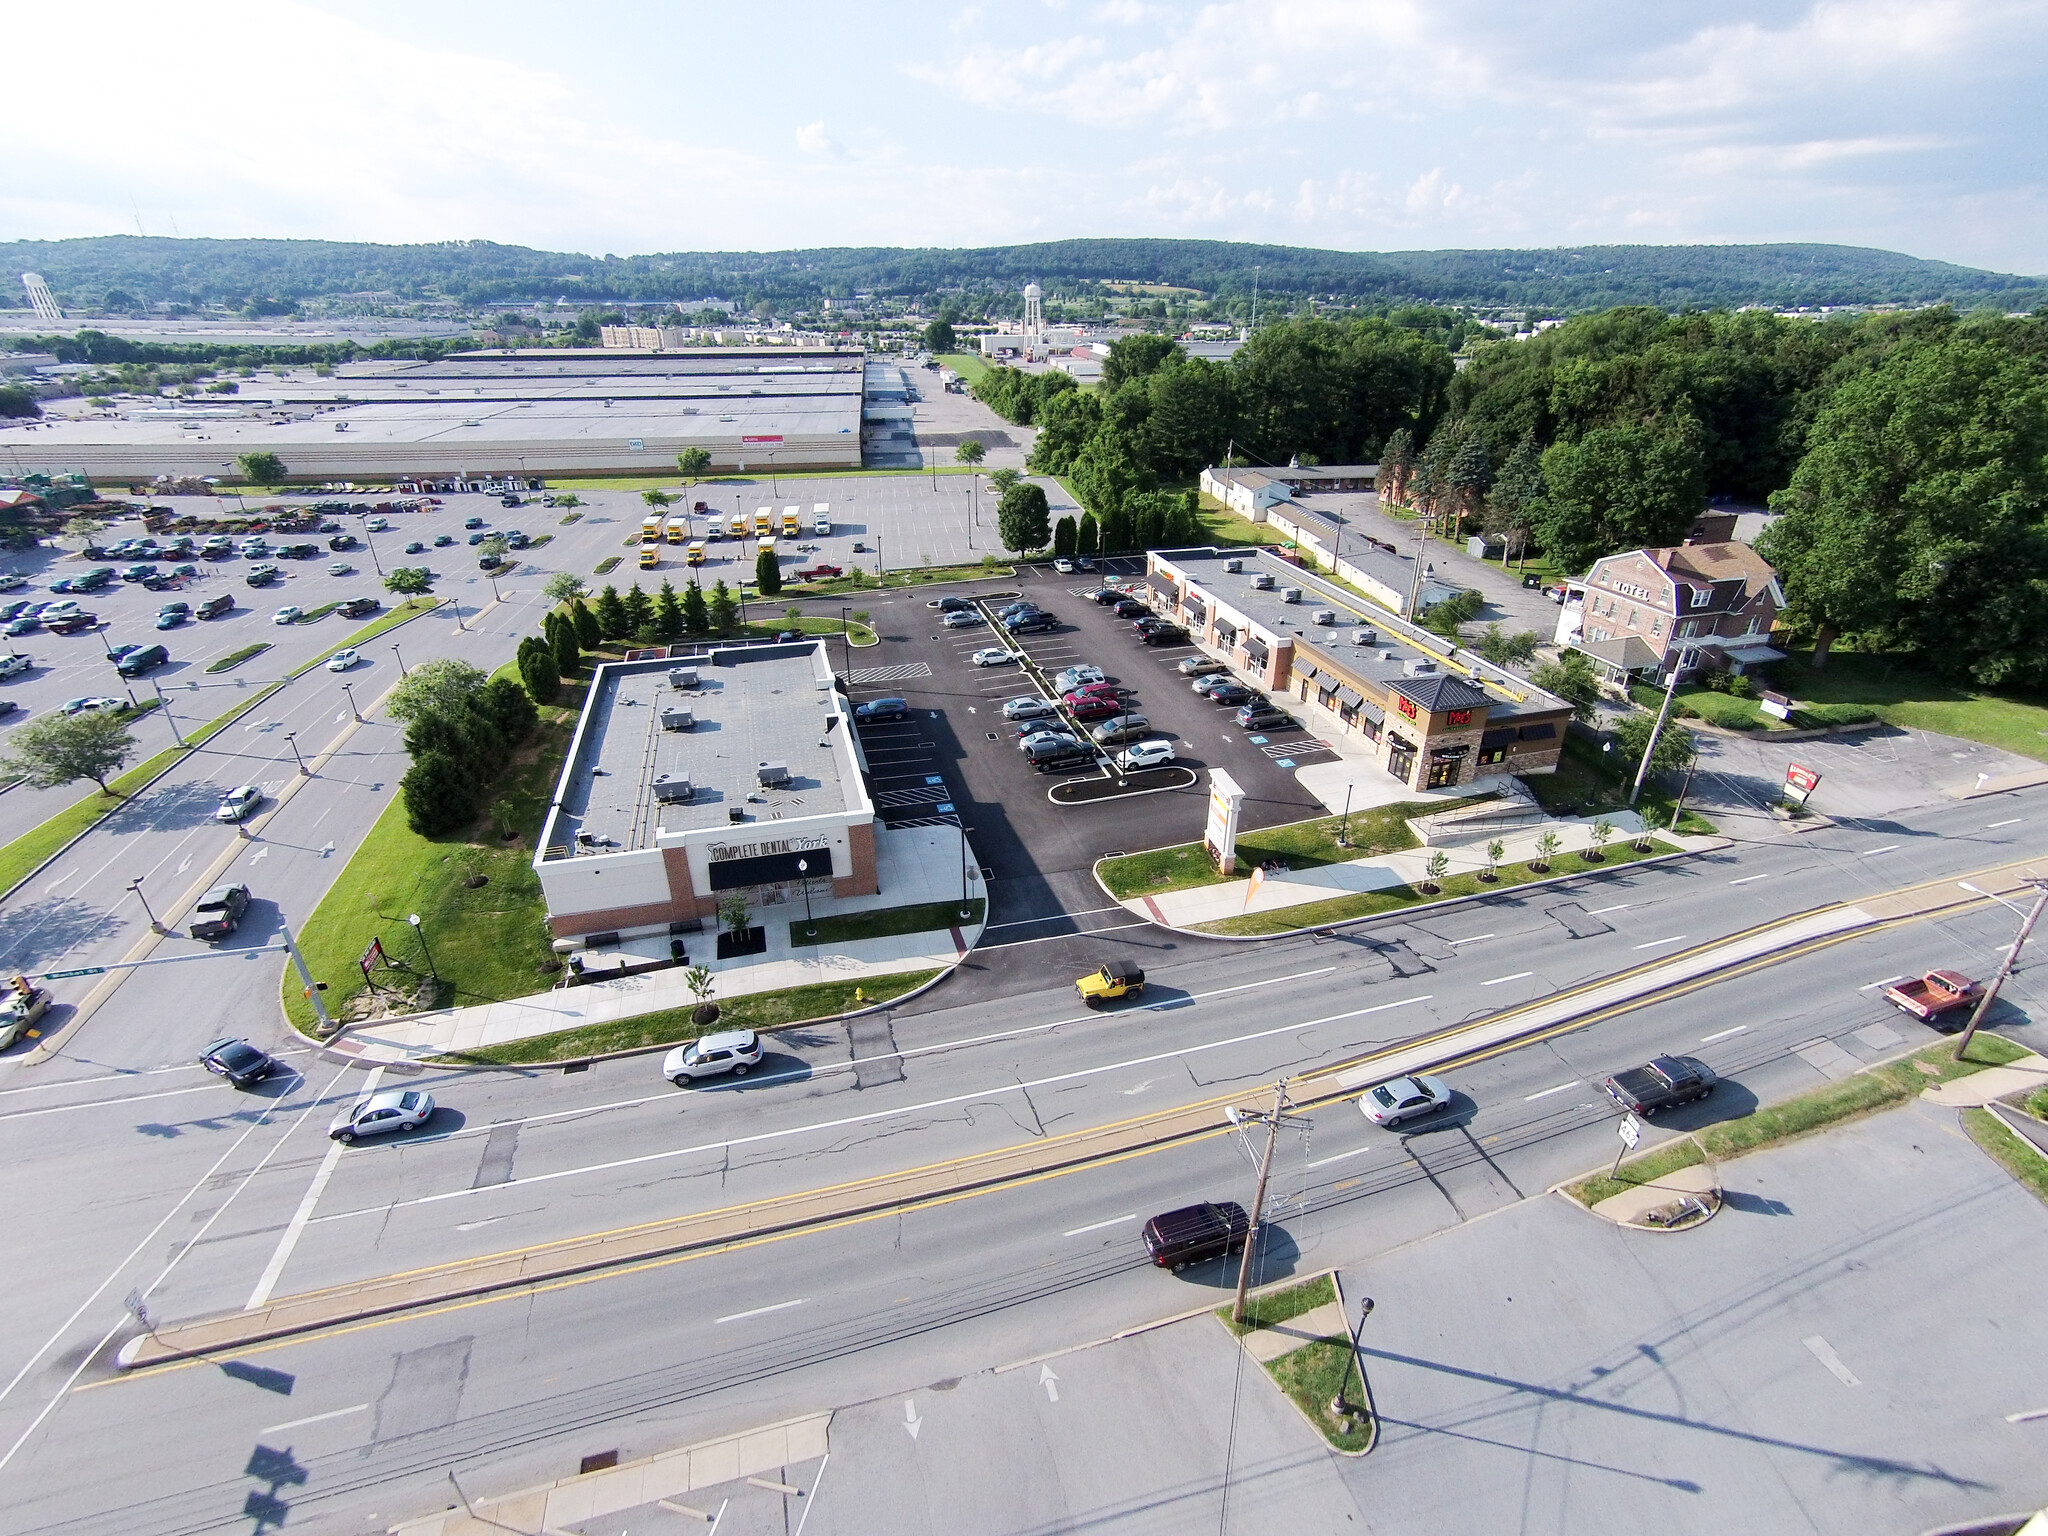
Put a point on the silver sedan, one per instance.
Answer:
(398, 1109)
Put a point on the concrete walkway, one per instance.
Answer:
(1268, 1344)
(1628, 1208)
(915, 865)
(1233, 898)
(1979, 1088)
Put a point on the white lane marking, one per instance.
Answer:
(871, 1116)
(1547, 1092)
(1824, 1352)
(911, 1421)
(1518, 975)
(1747, 879)
(471, 1226)
(1050, 1382)
(1324, 1162)
(780, 1306)
(1617, 907)
(1724, 1034)
(1131, 1093)
(272, 1271)
(2027, 1417)
(1474, 939)
(1676, 938)
(318, 1418)
(137, 1098)
(1051, 917)
(1113, 928)
(903, 1055)
(162, 1275)
(1114, 1221)
(259, 855)
(1871, 853)
(1993, 826)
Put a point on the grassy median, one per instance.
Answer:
(2022, 1159)
(1317, 1372)
(1298, 844)
(885, 922)
(1818, 1109)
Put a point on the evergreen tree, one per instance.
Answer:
(1397, 466)
(568, 661)
(441, 794)
(1517, 493)
(538, 671)
(696, 617)
(510, 708)
(1023, 518)
(612, 619)
(668, 614)
(1063, 539)
(767, 573)
(725, 612)
(1116, 534)
(589, 633)
(1469, 477)
(639, 610)
(1087, 536)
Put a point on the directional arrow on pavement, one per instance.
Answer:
(1050, 1382)
(911, 1421)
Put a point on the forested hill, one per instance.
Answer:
(128, 269)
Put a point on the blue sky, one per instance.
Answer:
(1356, 124)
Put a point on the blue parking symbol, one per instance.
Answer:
(1284, 762)
(933, 778)
(1257, 741)
(945, 807)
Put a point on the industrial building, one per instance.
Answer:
(541, 412)
(737, 770)
(1433, 716)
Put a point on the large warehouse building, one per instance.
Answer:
(483, 414)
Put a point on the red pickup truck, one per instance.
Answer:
(1933, 995)
(818, 573)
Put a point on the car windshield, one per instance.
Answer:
(1384, 1098)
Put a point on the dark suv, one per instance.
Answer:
(1059, 752)
(876, 711)
(1196, 1233)
(1263, 715)
(143, 658)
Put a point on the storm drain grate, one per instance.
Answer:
(603, 1461)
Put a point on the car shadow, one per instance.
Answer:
(1276, 1257)
(773, 1069)
(1456, 1114)
(1728, 1101)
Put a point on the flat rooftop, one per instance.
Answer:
(1395, 644)
(752, 705)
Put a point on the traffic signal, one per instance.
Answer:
(22, 987)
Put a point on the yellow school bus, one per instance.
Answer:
(650, 529)
(696, 554)
(738, 526)
(650, 556)
(678, 531)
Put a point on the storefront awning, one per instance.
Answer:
(1304, 669)
(1350, 698)
(1163, 586)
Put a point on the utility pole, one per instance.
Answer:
(2012, 956)
(1415, 586)
(1251, 1237)
(1657, 730)
(306, 976)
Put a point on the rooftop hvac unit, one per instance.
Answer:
(1419, 666)
(1290, 594)
(735, 813)
(1365, 637)
(682, 677)
(1234, 567)
(1261, 582)
(678, 718)
(674, 788)
(1324, 616)
(772, 774)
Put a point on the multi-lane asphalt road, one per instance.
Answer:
(240, 1197)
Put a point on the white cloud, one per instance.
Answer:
(812, 140)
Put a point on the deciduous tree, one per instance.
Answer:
(62, 749)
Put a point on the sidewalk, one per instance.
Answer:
(915, 865)
(1208, 903)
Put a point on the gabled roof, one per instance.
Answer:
(1440, 692)
(1629, 652)
(1722, 562)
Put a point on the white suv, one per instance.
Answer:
(733, 1051)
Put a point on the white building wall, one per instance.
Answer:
(601, 882)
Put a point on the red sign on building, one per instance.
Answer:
(775, 439)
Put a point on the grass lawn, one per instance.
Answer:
(234, 659)
(1802, 1115)
(606, 566)
(2019, 1158)
(1220, 525)
(1301, 844)
(886, 922)
(489, 940)
(1903, 694)
(670, 1026)
(1584, 785)
(1734, 714)
(1339, 909)
(1318, 1371)
(809, 624)
(913, 576)
(969, 367)
(1269, 1309)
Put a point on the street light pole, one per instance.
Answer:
(2005, 969)
(401, 660)
(803, 869)
(135, 885)
(176, 735)
(291, 740)
(353, 707)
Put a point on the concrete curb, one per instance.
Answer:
(1652, 860)
(324, 1048)
(1265, 1366)
(1372, 1407)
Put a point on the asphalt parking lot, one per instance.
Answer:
(955, 760)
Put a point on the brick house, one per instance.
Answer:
(1698, 607)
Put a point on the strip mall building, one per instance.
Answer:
(1432, 715)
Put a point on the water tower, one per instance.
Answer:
(1034, 321)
